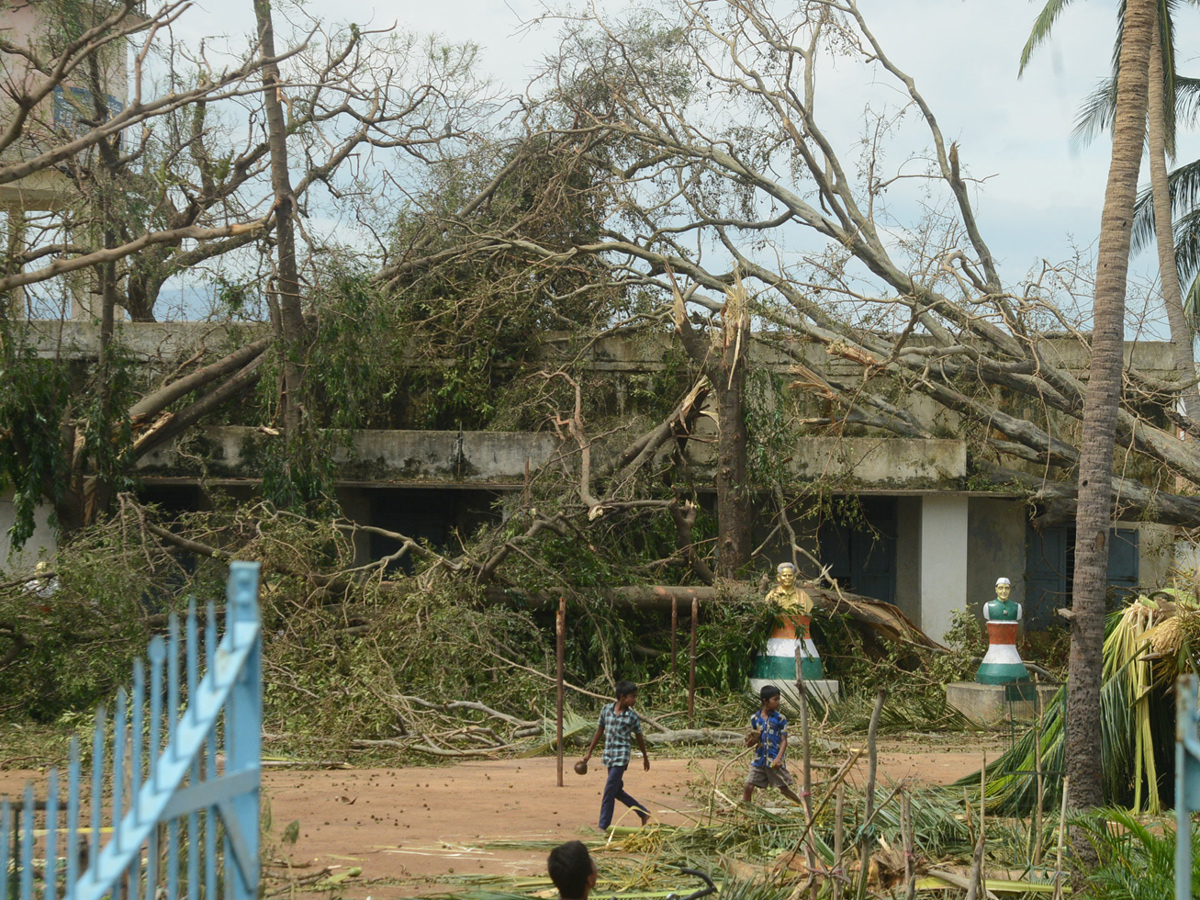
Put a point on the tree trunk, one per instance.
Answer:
(1181, 332)
(733, 494)
(291, 318)
(14, 304)
(724, 364)
(1100, 411)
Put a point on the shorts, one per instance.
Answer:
(767, 776)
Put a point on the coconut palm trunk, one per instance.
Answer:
(1181, 332)
(1100, 410)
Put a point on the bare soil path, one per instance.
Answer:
(406, 827)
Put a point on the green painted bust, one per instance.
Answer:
(1002, 609)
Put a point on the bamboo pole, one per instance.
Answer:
(906, 830)
(839, 835)
(692, 663)
(1062, 830)
(1036, 856)
(869, 809)
(561, 634)
(810, 853)
(982, 822)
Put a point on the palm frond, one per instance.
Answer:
(1187, 245)
(1187, 101)
(1042, 27)
(1095, 116)
(1183, 187)
(1136, 862)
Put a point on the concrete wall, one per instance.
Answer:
(1156, 554)
(42, 545)
(880, 461)
(995, 548)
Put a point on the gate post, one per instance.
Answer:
(1187, 780)
(244, 738)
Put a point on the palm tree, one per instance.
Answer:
(1083, 764)
(1097, 115)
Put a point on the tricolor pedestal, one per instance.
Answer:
(1002, 664)
(778, 665)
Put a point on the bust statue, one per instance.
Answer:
(1002, 609)
(785, 594)
(1002, 664)
(791, 633)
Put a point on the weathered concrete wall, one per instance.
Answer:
(995, 548)
(881, 461)
(497, 458)
(1156, 554)
(378, 458)
(643, 353)
(42, 545)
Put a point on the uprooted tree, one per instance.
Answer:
(108, 203)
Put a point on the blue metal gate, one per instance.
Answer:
(174, 801)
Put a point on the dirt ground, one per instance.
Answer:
(406, 827)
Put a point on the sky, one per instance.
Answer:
(1041, 196)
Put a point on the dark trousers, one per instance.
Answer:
(614, 790)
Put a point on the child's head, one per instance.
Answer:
(770, 697)
(626, 692)
(572, 870)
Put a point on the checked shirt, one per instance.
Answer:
(771, 728)
(619, 729)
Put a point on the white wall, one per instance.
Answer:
(944, 533)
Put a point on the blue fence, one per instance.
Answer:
(173, 804)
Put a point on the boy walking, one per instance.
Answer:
(769, 732)
(618, 722)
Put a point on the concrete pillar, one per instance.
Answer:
(944, 528)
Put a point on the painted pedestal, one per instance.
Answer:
(1002, 664)
(778, 665)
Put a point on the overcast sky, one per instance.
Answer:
(1041, 194)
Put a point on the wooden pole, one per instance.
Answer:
(674, 630)
(810, 852)
(864, 840)
(906, 829)
(692, 663)
(561, 629)
(838, 838)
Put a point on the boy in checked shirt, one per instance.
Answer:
(618, 722)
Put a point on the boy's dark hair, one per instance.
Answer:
(768, 691)
(625, 688)
(570, 867)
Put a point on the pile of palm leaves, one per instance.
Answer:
(1137, 861)
(1147, 645)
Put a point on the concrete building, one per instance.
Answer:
(924, 535)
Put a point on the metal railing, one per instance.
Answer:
(173, 806)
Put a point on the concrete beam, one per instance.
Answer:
(499, 458)
(374, 458)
